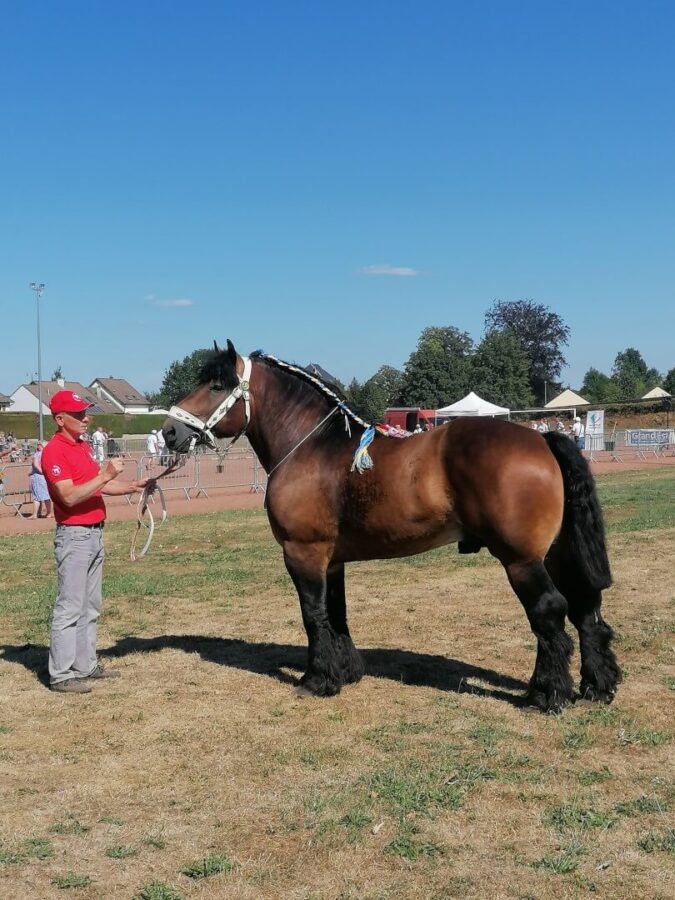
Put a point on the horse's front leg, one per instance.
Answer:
(350, 660)
(307, 565)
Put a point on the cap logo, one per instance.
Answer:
(77, 397)
(56, 470)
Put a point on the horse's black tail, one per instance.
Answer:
(582, 525)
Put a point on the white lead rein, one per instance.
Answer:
(143, 509)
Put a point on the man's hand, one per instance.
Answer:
(144, 482)
(112, 468)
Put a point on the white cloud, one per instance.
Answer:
(386, 269)
(178, 302)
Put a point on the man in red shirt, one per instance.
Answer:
(76, 485)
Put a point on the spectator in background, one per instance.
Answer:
(98, 441)
(38, 486)
(559, 425)
(543, 426)
(578, 433)
(151, 448)
(161, 447)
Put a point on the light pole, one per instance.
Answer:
(39, 287)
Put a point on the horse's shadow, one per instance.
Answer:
(273, 661)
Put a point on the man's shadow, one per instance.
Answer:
(272, 661)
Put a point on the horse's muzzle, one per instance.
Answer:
(178, 436)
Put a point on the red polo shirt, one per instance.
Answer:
(63, 460)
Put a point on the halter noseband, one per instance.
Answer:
(242, 390)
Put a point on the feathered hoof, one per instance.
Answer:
(316, 685)
(552, 703)
(592, 694)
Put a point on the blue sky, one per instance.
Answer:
(325, 180)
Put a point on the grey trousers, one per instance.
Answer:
(79, 557)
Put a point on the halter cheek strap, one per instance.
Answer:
(242, 390)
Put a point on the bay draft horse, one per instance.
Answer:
(528, 498)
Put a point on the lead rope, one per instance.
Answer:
(143, 510)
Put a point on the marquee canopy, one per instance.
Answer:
(566, 400)
(472, 405)
(656, 393)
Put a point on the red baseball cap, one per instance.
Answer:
(67, 401)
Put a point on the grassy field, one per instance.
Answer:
(201, 774)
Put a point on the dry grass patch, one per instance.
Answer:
(200, 773)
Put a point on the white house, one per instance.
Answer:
(122, 395)
(26, 397)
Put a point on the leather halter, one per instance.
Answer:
(242, 390)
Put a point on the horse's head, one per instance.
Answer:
(218, 407)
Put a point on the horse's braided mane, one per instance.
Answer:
(317, 383)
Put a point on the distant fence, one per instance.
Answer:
(206, 470)
(638, 443)
(202, 472)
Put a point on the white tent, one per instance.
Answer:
(472, 405)
(656, 393)
(567, 400)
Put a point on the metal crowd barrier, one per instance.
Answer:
(15, 486)
(239, 468)
(182, 479)
(631, 443)
(202, 473)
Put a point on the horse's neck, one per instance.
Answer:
(279, 423)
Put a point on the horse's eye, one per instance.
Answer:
(217, 388)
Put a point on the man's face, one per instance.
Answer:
(75, 424)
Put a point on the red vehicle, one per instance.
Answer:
(408, 417)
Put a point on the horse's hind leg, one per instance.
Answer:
(551, 685)
(350, 660)
(307, 567)
(600, 672)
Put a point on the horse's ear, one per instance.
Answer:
(231, 352)
(217, 348)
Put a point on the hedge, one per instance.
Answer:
(25, 425)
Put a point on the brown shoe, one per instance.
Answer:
(100, 672)
(72, 686)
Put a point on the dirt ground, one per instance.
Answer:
(202, 747)
(120, 511)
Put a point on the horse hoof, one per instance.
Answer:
(547, 703)
(301, 691)
(316, 686)
(593, 694)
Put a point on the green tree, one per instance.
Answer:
(599, 388)
(439, 370)
(669, 382)
(390, 382)
(180, 379)
(631, 375)
(380, 391)
(541, 333)
(501, 371)
(58, 373)
(354, 395)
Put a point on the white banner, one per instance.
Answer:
(595, 426)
